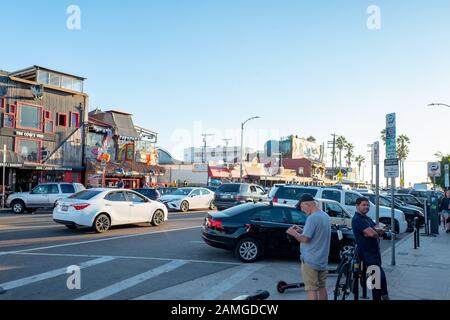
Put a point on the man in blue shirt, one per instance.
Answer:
(314, 247)
(367, 235)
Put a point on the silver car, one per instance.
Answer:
(44, 195)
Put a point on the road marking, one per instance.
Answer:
(131, 282)
(123, 257)
(51, 274)
(240, 275)
(98, 240)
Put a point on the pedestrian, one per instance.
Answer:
(146, 185)
(120, 184)
(367, 235)
(444, 209)
(314, 241)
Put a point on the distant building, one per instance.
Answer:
(216, 155)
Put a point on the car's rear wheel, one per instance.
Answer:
(184, 207)
(102, 223)
(248, 250)
(158, 218)
(18, 206)
(212, 205)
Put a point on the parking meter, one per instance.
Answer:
(434, 214)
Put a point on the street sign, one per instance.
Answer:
(340, 175)
(391, 168)
(434, 169)
(376, 153)
(391, 138)
(446, 180)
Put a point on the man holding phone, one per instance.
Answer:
(314, 241)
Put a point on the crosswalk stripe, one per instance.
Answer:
(241, 274)
(50, 274)
(133, 281)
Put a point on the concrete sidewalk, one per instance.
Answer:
(422, 273)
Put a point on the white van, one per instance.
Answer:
(290, 194)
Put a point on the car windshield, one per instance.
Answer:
(85, 195)
(182, 192)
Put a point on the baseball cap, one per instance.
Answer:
(306, 198)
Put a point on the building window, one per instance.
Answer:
(62, 119)
(29, 117)
(213, 153)
(49, 126)
(75, 119)
(9, 120)
(2, 103)
(10, 108)
(46, 114)
(28, 149)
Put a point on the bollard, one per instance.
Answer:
(417, 227)
(415, 236)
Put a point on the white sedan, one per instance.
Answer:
(184, 199)
(102, 208)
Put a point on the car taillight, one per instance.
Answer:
(238, 198)
(80, 206)
(275, 200)
(215, 224)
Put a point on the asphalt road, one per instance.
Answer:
(128, 262)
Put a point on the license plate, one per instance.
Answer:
(227, 196)
(65, 208)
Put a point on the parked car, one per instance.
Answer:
(164, 191)
(233, 194)
(185, 199)
(409, 199)
(255, 229)
(45, 195)
(290, 194)
(212, 188)
(102, 208)
(410, 212)
(152, 194)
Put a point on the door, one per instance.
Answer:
(53, 194)
(195, 199)
(261, 194)
(38, 197)
(270, 225)
(206, 198)
(118, 206)
(140, 210)
(337, 214)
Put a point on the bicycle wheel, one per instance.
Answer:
(343, 286)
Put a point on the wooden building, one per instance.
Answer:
(42, 113)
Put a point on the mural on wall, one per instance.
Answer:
(304, 149)
(146, 153)
(99, 144)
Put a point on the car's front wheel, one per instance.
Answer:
(18, 206)
(158, 218)
(248, 250)
(184, 206)
(102, 223)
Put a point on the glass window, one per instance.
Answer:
(55, 80)
(350, 199)
(41, 189)
(252, 189)
(43, 77)
(75, 120)
(334, 210)
(53, 189)
(49, 126)
(29, 150)
(77, 85)
(182, 192)
(115, 196)
(229, 187)
(133, 197)
(66, 82)
(205, 192)
(62, 119)
(196, 192)
(8, 120)
(85, 195)
(297, 217)
(67, 188)
(278, 215)
(332, 195)
(260, 190)
(260, 215)
(295, 193)
(30, 117)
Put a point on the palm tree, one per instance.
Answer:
(311, 139)
(359, 160)
(402, 153)
(439, 155)
(349, 154)
(383, 136)
(340, 145)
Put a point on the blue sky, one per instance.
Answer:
(306, 67)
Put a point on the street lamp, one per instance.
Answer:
(438, 105)
(242, 142)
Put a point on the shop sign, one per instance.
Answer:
(29, 134)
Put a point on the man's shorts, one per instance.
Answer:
(313, 279)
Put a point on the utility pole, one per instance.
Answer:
(371, 162)
(225, 150)
(204, 156)
(332, 146)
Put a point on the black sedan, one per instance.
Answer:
(150, 193)
(252, 230)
